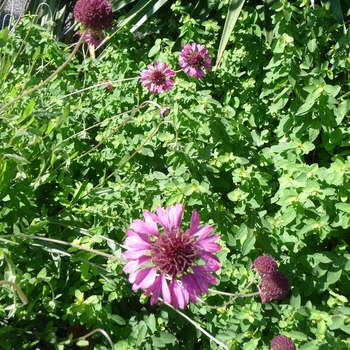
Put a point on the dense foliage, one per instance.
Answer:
(259, 147)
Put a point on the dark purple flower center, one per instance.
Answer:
(157, 77)
(196, 60)
(174, 252)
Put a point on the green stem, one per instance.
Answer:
(138, 149)
(94, 251)
(18, 290)
(100, 330)
(235, 296)
(218, 342)
(28, 92)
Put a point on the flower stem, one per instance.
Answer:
(59, 69)
(218, 342)
(235, 296)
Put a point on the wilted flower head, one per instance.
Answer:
(282, 343)
(155, 78)
(264, 264)
(94, 14)
(193, 59)
(273, 286)
(109, 86)
(169, 261)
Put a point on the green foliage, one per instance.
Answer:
(260, 148)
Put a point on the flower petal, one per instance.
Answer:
(194, 222)
(145, 277)
(179, 295)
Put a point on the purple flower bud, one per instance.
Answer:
(164, 111)
(264, 264)
(282, 343)
(94, 14)
(273, 286)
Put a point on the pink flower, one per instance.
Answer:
(281, 342)
(273, 286)
(92, 37)
(94, 14)
(194, 59)
(264, 264)
(155, 77)
(170, 262)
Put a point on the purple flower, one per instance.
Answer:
(92, 37)
(264, 264)
(170, 262)
(94, 14)
(155, 78)
(273, 286)
(282, 343)
(193, 58)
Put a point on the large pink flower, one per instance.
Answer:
(155, 78)
(94, 14)
(194, 59)
(170, 262)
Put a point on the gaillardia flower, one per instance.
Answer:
(155, 78)
(282, 342)
(273, 286)
(264, 264)
(94, 14)
(194, 59)
(168, 261)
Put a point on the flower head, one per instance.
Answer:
(264, 264)
(281, 342)
(193, 59)
(273, 286)
(166, 260)
(94, 14)
(155, 78)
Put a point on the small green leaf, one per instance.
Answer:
(167, 338)
(333, 275)
(42, 273)
(343, 207)
(82, 342)
(248, 244)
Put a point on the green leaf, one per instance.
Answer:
(167, 338)
(333, 275)
(82, 343)
(4, 36)
(343, 207)
(234, 10)
(248, 244)
(310, 101)
(268, 13)
(42, 273)
(140, 13)
(312, 45)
